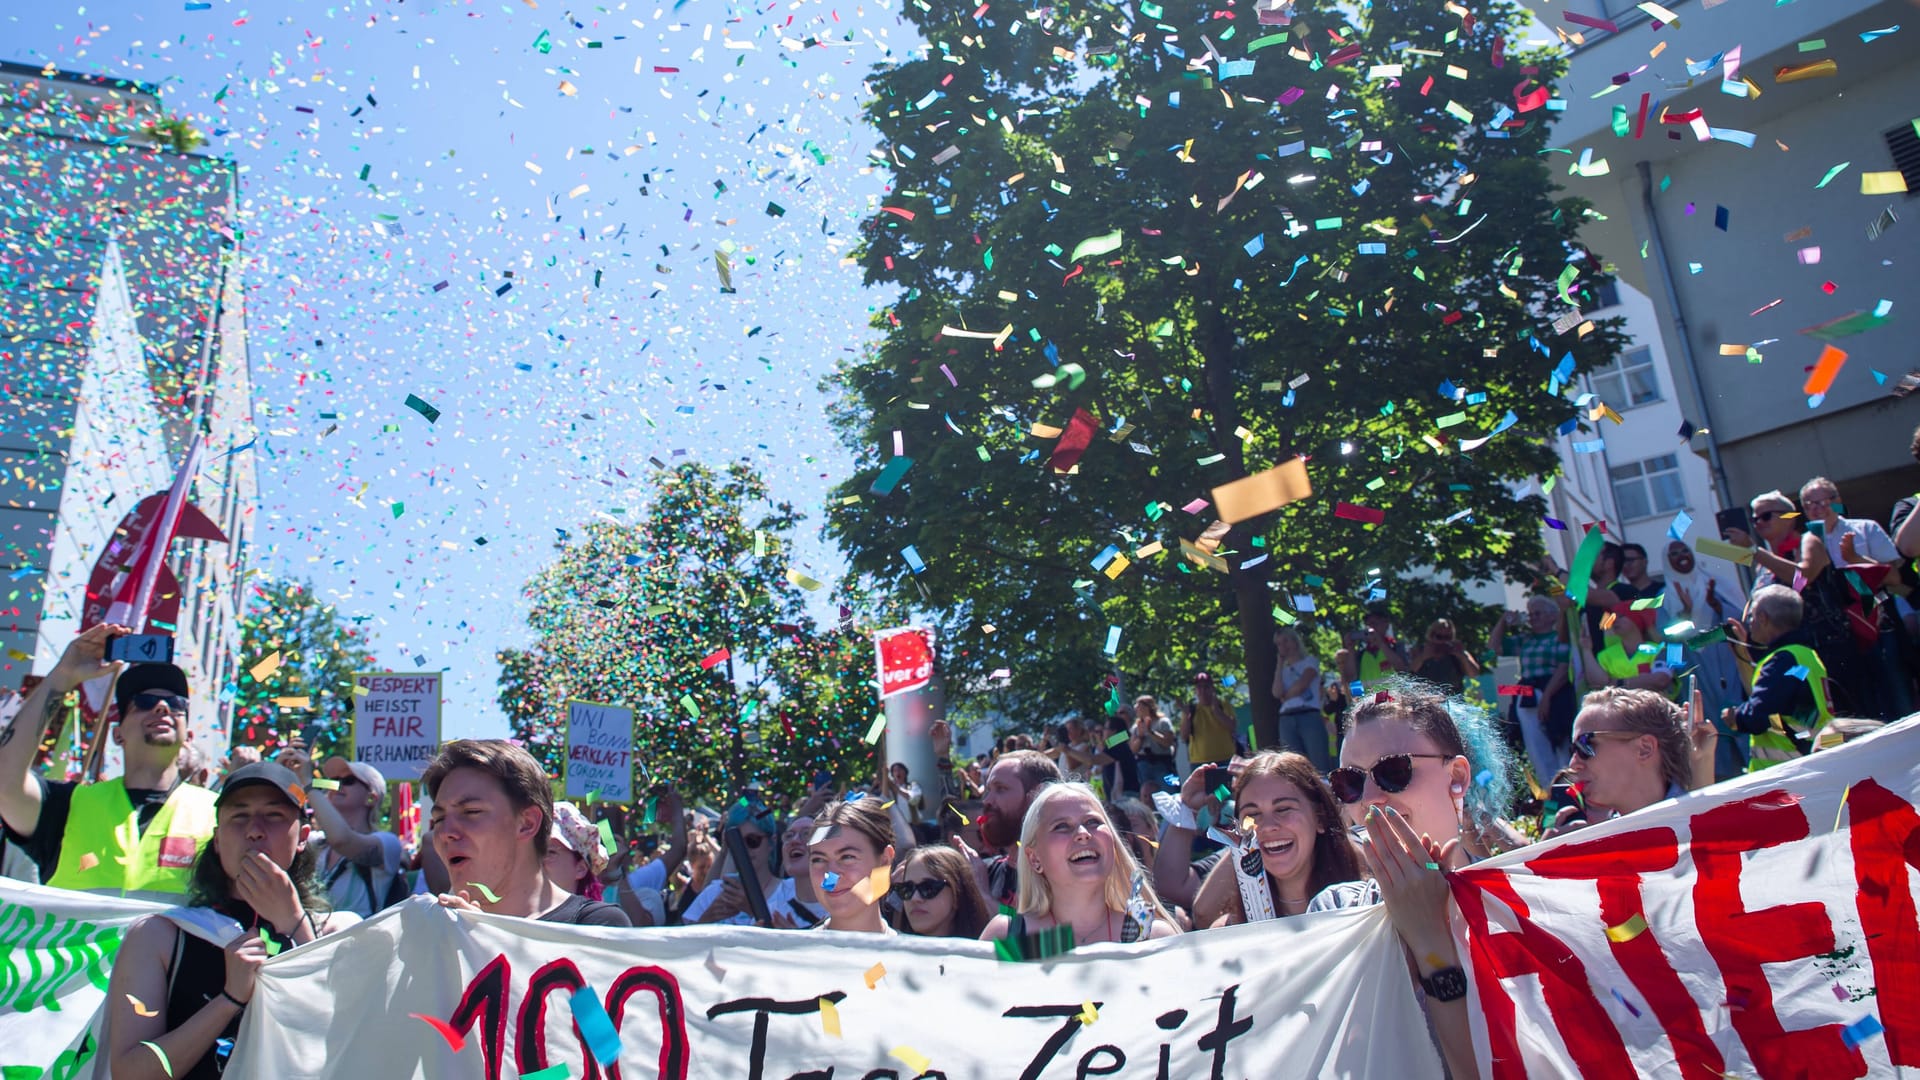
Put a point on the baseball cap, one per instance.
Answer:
(365, 773)
(265, 772)
(139, 678)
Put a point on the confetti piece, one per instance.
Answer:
(1094, 246)
(561, 1071)
(1088, 1014)
(89, 860)
(1350, 512)
(596, 1027)
(890, 475)
(1262, 492)
(874, 729)
(1825, 370)
(424, 409)
(1853, 1034)
(1628, 930)
(874, 886)
(714, 659)
(913, 1059)
(325, 784)
(874, 975)
(1882, 183)
(454, 1038)
(484, 891)
(264, 668)
(140, 1007)
(829, 1018)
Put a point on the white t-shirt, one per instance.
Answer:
(1292, 673)
(652, 875)
(784, 899)
(1870, 541)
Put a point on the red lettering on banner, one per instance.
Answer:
(1593, 1043)
(1614, 865)
(675, 1051)
(1742, 941)
(485, 999)
(1886, 843)
(530, 1032)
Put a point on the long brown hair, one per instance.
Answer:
(1334, 859)
(970, 909)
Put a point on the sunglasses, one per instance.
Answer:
(927, 889)
(1583, 742)
(1391, 774)
(1765, 515)
(152, 699)
(754, 840)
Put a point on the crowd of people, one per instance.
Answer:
(1363, 786)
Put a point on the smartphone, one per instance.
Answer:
(1562, 795)
(141, 648)
(742, 860)
(1217, 777)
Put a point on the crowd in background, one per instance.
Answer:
(1365, 783)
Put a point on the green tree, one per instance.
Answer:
(690, 617)
(175, 133)
(1225, 238)
(319, 654)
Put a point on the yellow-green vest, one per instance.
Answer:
(104, 851)
(1773, 746)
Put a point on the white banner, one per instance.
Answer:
(56, 954)
(396, 721)
(599, 752)
(1764, 926)
(1322, 997)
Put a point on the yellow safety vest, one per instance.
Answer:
(104, 851)
(1371, 669)
(1775, 745)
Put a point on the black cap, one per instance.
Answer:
(271, 773)
(138, 678)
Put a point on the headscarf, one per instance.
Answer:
(1694, 583)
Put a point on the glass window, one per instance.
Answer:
(1628, 382)
(1650, 488)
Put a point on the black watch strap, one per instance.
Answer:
(1446, 984)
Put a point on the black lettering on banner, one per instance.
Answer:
(1057, 1040)
(1224, 1031)
(485, 1000)
(1168, 1021)
(530, 1030)
(675, 1051)
(761, 1008)
(1086, 1067)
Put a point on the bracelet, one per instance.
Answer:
(230, 997)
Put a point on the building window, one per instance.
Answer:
(1601, 297)
(1628, 382)
(1903, 143)
(1650, 488)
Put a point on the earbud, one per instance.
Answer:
(1459, 789)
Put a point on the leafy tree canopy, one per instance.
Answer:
(1207, 240)
(310, 693)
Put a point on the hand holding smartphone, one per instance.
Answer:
(141, 648)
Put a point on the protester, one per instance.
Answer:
(1153, 741)
(644, 888)
(937, 896)
(1616, 665)
(135, 835)
(1208, 725)
(1789, 554)
(1011, 785)
(1603, 591)
(1426, 778)
(724, 900)
(360, 865)
(1121, 775)
(1820, 499)
(1074, 873)
(1634, 748)
(1858, 542)
(1372, 654)
(1786, 713)
(1296, 694)
(1442, 659)
(1544, 719)
(576, 853)
(492, 823)
(794, 902)
(174, 995)
(1282, 804)
(850, 857)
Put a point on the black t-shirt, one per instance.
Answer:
(56, 805)
(1003, 879)
(580, 911)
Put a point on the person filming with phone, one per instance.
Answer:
(135, 835)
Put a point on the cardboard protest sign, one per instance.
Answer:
(599, 752)
(396, 721)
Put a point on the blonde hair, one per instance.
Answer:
(1643, 712)
(1035, 896)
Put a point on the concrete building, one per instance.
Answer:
(122, 334)
(1744, 257)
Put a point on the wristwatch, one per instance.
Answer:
(1446, 984)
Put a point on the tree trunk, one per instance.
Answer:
(1251, 596)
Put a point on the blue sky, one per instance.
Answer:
(604, 185)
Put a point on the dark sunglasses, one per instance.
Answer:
(1391, 774)
(1583, 742)
(927, 889)
(754, 840)
(152, 699)
(1765, 515)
